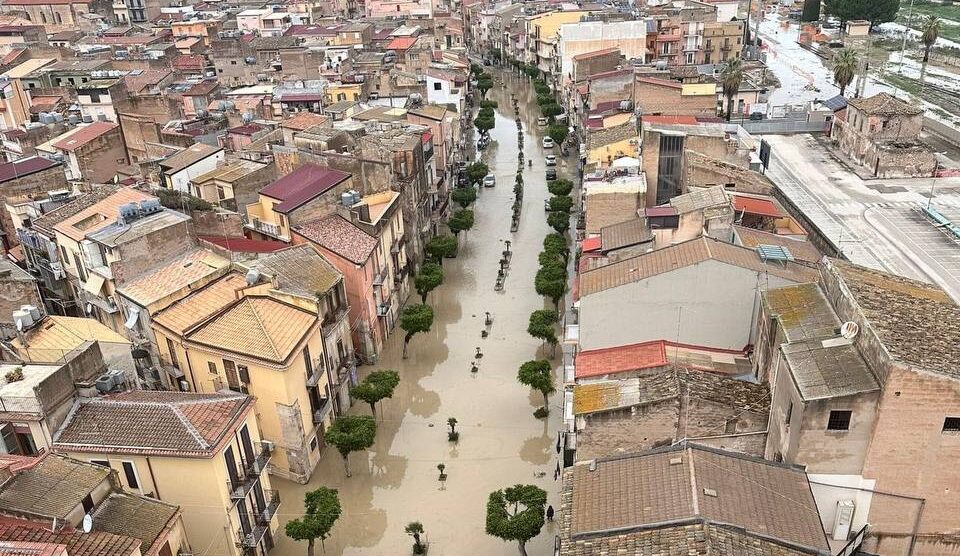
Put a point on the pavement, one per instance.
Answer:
(874, 223)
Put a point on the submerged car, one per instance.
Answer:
(489, 180)
(551, 159)
(548, 142)
(551, 174)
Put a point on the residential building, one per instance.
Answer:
(202, 452)
(611, 197)
(17, 288)
(177, 171)
(722, 41)
(656, 96)
(234, 184)
(365, 243)
(97, 98)
(58, 15)
(91, 153)
(574, 39)
(55, 339)
(541, 35)
(19, 91)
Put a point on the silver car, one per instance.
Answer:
(489, 180)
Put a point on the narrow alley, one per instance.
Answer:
(501, 443)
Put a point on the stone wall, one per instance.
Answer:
(656, 99)
(705, 171)
(214, 223)
(585, 68)
(141, 256)
(98, 159)
(605, 209)
(13, 294)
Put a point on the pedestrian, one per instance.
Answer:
(549, 513)
(556, 474)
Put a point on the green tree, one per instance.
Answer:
(731, 75)
(541, 88)
(559, 221)
(488, 104)
(461, 221)
(415, 319)
(558, 132)
(545, 99)
(811, 11)
(484, 125)
(484, 84)
(560, 187)
(516, 514)
(464, 196)
(321, 511)
(561, 203)
(476, 69)
(551, 110)
(557, 244)
(377, 386)
(495, 54)
(441, 247)
(476, 171)
(351, 433)
(428, 279)
(538, 374)
(551, 281)
(415, 529)
(930, 32)
(543, 326)
(844, 68)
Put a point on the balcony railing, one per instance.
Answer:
(251, 539)
(273, 504)
(383, 309)
(251, 472)
(326, 406)
(330, 323)
(381, 277)
(267, 228)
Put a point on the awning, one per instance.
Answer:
(132, 317)
(94, 284)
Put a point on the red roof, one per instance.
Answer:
(401, 43)
(621, 359)
(25, 167)
(85, 135)
(249, 129)
(660, 211)
(244, 245)
(188, 62)
(591, 244)
(303, 184)
(426, 137)
(760, 207)
(684, 120)
(301, 97)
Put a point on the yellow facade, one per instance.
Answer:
(337, 92)
(275, 223)
(604, 155)
(547, 25)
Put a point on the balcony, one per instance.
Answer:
(332, 321)
(383, 309)
(267, 228)
(251, 539)
(314, 377)
(326, 406)
(381, 277)
(273, 504)
(252, 470)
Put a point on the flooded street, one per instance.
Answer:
(501, 443)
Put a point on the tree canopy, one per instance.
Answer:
(551, 281)
(441, 247)
(464, 196)
(731, 75)
(413, 320)
(559, 221)
(551, 110)
(321, 511)
(461, 221)
(811, 11)
(377, 386)
(561, 203)
(538, 374)
(516, 514)
(560, 187)
(557, 244)
(484, 83)
(351, 433)
(476, 171)
(558, 132)
(427, 280)
(930, 32)
(845, 64)
(543, 325)
(415, 529)
(874, 11)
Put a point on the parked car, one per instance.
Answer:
(757, 116)
(548, 142)
(551, 174)
(542, 122)
(551, 159)
(489, 180)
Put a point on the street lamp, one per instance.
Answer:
(933, 184)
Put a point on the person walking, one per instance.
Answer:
(549, 513)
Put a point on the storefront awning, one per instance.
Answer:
(94, 284)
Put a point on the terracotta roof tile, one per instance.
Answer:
(299, 271)
(51, 488)
(201, 304)
(619, 359)
(137, 516)
(83, 135)
(191, 270)
(99, 215)
(77, 543)
(337, 235)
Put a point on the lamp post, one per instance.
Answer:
(906, 30)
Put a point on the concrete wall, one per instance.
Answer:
(678, 306)
(580, 38)
(13, 294)
(606, 208)
(655, 98)
(180, 181)
(139, 257)
(98, 159)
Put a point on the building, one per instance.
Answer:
(177, 171)
(366, 245)
(60, 15)
(27, 177)
(703, 501)
(722, 41)
(656, 96)
(201, 452)
(611, 197)
(17, 288)
(882, 134)
(91, 153)
(234, 184)
(55, 339)
(581, 38)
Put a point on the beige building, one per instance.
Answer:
(722, 41)
(202, 452)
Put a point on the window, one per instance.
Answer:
(839, 420)
(173, 354)
(306, 361)
(100, 462)
(212, 367)
(80, 270)
(244, 373)
(87, 504)
(233, 62)
(130, 474)
(786, 418)
(951, 424)
(437, 86)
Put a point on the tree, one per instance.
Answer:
(351, 433)
(561, 203)
(516, 514)
(476, 69)
(558, 132)
(551, 110)
(377, 386)
(484, 125)
(541, 88)
(560, 187)
(557, 244)
(542, 326)
(427, 280)
(844, 68)
(545, 99)
(415, 529)
(484, 84)
(559, 221)
(461, 221)
(453, 435)
(811, 11)
(443, 246)
(551, 281)
(488, 104)
(731, 75)
(930, 34)
(874, 11)
(476, 171)
(321, 511)
(463, 196)
(538, 375)
(414, 319)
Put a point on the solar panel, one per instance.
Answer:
(838, 102)
(774, 253)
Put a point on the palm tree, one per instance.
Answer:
(931, 31)
(731, 74)
(844, 68)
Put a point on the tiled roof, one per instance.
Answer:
(591, 244)
(244, 245)
(83, 135)
(51, 488)
(620, 359)
(681, 255)
(99, 215)
(193, 269)
(259, 327)
(800, 248)
(76, 543)
(177, 424)
(595, 53)
(303, 184)
(193, 62)
(625, 234)
(802, 310)
(201, 304)
(57, 335)
(760, 207)
(401, 43)
(337, 235)
(202, 88)
(25, 167)
(303, 120)
(700, 199)
(188, 157)
(884, 104)
(137, 516)
(299, 271)
(47, 222)
(687, 483)
(828, 371)
(918, 323)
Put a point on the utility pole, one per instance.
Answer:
(906, 30)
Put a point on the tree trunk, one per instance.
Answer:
(523, 547)
(416, 540)
(406, 341)
(373, 410)
(546, 402)
(309, 547)
(926, 53)
(346, 464)
(729, 106)
(423, 298)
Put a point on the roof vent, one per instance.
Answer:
(676, 461)
(709, 492)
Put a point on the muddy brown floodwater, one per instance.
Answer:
(501, 443)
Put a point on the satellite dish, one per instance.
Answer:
(87, 523)
(849, 330)
(89, 308)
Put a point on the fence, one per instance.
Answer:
(784, 126)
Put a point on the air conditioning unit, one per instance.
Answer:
(268, 445)
(843, 521)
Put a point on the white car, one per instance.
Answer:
(489, 180)
(542, 122)
(548, 142)
(551, 159)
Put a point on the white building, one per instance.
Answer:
(590, 36)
